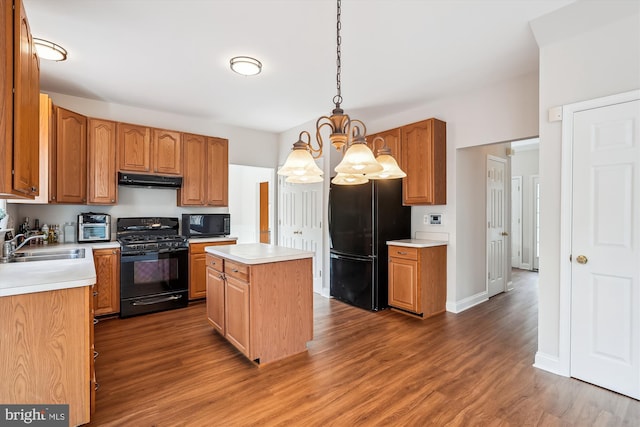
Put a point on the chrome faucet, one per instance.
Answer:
(7, 247)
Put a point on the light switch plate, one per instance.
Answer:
(435, 219)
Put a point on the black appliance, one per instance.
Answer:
(206, 225)
(153, 265)
(362, 218)
(149, 181)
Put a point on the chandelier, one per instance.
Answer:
(347, 135)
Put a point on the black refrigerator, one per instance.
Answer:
(362, 218)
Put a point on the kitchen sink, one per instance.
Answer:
(28, 256)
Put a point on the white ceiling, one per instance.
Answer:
(173, 55)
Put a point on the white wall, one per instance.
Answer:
(525, 163)
(502, 112)
(244, 201)
(587, 50)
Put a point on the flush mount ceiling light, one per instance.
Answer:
(359, 163)
(245, 65)
(49, 50)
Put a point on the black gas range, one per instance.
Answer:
(153, 265)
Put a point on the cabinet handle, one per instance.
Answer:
(234, 270)
(34, 189)
(96, 387)
(95, 321)
(114, 252)
(113, 201)
(95, 293)
(213, 263)
(401, 253)
(95, 355)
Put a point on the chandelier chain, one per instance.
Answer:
(338, 98)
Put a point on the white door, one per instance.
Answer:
(605, 248)
(516, 221)
(496, 227)
(300, 221)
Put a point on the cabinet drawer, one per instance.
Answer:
(403, 252)
(215, 263)
(237, 270)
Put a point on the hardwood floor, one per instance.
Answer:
(362, 368)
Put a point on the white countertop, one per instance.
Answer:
(417, 243)
(257, 253)
(211, 239)
(39, 276)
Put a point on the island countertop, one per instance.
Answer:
(257, 253)
(417, 243)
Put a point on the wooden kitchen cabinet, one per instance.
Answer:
(197, 267)
(167, 152)
(424, 159)
(47, 359)
(146, 150)
(418, 279)
(206, 171)
(236, 314)
(106, 299)
(215, 292)
(101, 162)
(71, 157)
(19, 104)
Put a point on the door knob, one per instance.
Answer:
(504, 233)
(582, 259)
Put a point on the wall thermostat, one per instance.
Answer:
(435, 219)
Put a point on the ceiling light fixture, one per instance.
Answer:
(346, 135)
(49, 50)
(245, 65)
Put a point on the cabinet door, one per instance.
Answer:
(404, 291)
(217, 172)
(25, 108)
(134, 146)
(167, 152)
(106, 298)
(215, 299)
(237, 314)
(423, 151)
(71, 158)
(101, 161)
(192, 192)
(197, 276)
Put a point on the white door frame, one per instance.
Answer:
(533, 224)
(564, 350)
(517, 230)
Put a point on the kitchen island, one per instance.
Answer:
(260, 298)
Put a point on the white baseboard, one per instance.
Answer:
(467, 303)
(510, 285)
(549, 363)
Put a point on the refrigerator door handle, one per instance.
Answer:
(329, 221)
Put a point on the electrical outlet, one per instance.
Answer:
(426, 219)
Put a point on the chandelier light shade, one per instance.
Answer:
(300, 166)
(349, 179)
(49, 50)
(359, 160)
(390, 170)
(245, 65)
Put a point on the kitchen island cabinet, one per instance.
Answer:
(418, 276)
(266, 295)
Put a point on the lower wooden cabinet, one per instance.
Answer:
(47, 352)
(215, 293)
(106, 292)
(418, 279)
(236, 319)
(197, 267)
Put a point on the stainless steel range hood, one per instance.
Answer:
(149, 181)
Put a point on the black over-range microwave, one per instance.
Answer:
(206, 225)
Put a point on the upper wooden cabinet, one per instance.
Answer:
(206, 171)
(424, 159)
(134, 146)
(19, 104)
(101, 162)
(71, 157)
(167, 152)
(392, 140)
(146, 150)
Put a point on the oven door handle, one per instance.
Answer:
(150, 301)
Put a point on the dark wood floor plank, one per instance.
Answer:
(361, 369)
